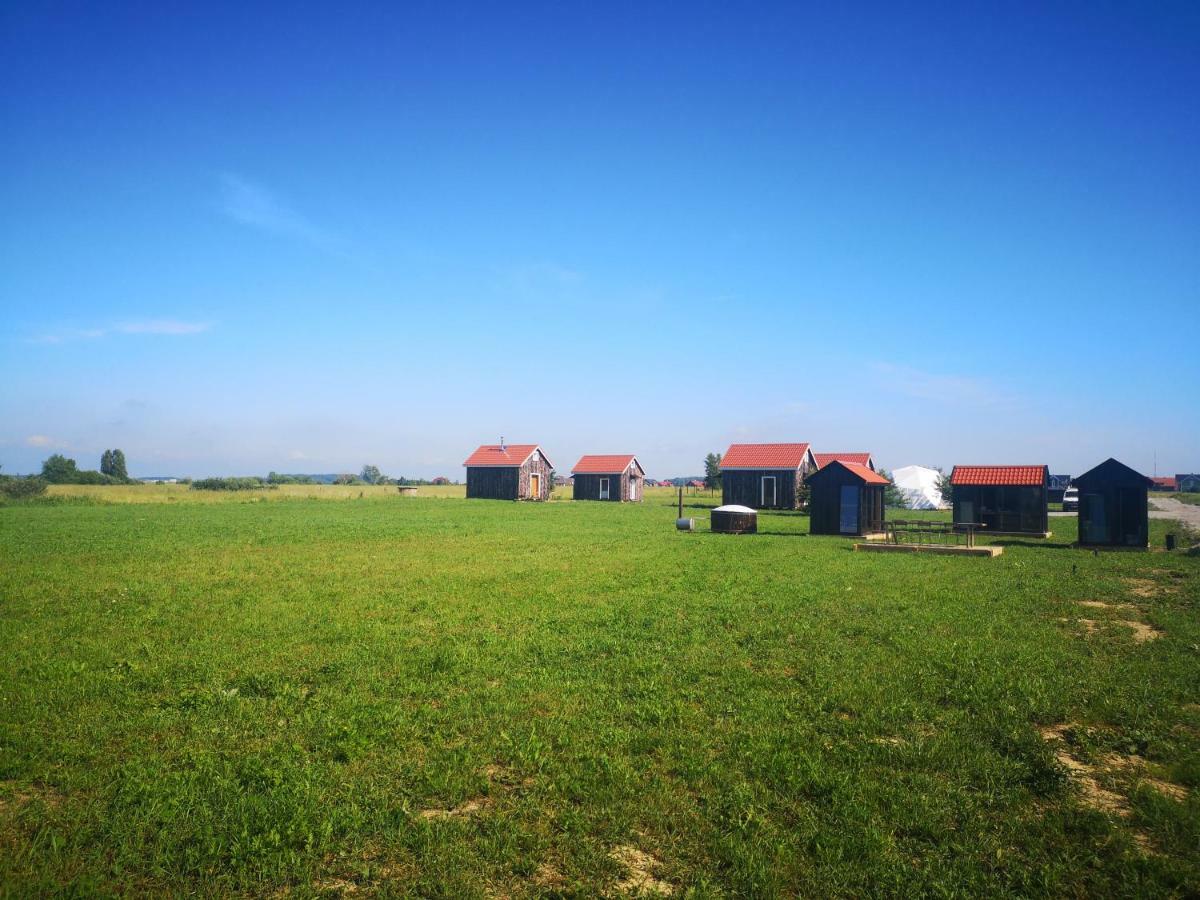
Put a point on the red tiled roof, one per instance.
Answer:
(492, 455)
(870, 476)
(603, 464)
(1164, 481)
(1008, 476)
(824, 459)
(764, 456)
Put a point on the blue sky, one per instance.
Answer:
(235, 240)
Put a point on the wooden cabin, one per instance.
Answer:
(846, 498)
(1187, 482)
(765, 476)
(1003, 499)
(1113, 506)
(509, 472)
(614, 476)
(862, 459)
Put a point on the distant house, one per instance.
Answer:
(1189, 483)
(1163, 483)
(861, 459)
(508, 472)
(441, 479)
(765, 476)
(1113, 506)
(1056, 487)
(846, 498)
(1003, 499)
(614, 476)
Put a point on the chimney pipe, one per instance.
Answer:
(501, 443)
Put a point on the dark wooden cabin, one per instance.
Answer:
(1003, 499)
(613, 476)
(845, 498)
(508, 472)
(765, 476)
(1113, 507)
(863, 459)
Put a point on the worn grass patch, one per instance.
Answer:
(433, 697)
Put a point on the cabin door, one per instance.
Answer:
(535, 485)
(633, 488)
(848, 520)
(768, 491)
(604, 493)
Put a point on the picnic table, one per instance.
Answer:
(924, 531)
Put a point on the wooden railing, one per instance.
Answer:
(919, 531)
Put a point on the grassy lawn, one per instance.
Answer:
(1182, 497)
(306, 691)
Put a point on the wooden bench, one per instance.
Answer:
(924, 531)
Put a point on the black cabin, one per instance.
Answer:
(1113, 506)
(1003, 499)
(509, 472)
(765, 476)
(845, 498)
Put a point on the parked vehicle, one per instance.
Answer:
(1071, 500)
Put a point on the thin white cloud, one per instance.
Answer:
(252, 204)
(41, 440)
(168, 327)
(922, 385)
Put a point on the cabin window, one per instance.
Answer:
(603, 488)
(768, 490)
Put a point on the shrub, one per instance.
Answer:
(228, 484)
(23, 488)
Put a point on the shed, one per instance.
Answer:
(610, 476)
(1163, 482)
(1113, 507)
(1003, 499)
(862, 459)
(765, 476)
(1188, 483)
(508, 472)
(846, 498)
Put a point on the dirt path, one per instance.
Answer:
(1166, 508)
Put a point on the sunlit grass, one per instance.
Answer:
(411, 696)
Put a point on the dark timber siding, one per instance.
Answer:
(1004, 509)
(825, 502)
(744, 487)
(1113, 507)
(587, 487)
(509, 482)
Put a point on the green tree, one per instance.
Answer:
(712, 471)
(60, 470)
(371, 474)
(893, 497)
(119, 472)
(106, 462)
(945, 488)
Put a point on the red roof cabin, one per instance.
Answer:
(1163, 483)
(612, 476)
(508, 472)
(765, 476)
(861, 459)
(845, 498)
(1008, 500)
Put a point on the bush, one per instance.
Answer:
(228, 484)
(23, 488)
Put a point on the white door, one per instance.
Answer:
(633, 488)
(768, 491)
(603, 488)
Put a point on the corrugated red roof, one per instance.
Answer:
(764, 456)
(1006, 476)
(603, 464)
(495, 455)
(824, 459)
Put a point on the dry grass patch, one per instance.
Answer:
(1095, 796)
(466, 808)
(640, 867)
(1141, 631)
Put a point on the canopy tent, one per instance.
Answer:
(919, 487)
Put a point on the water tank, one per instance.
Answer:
(734, 519)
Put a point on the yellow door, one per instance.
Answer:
(535, 486)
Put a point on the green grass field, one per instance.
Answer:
(306, 692)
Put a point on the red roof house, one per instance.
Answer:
(508, 472)
(1003, 499)
(765, 476)
(613, 476)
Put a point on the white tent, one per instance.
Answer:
(919, 485)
